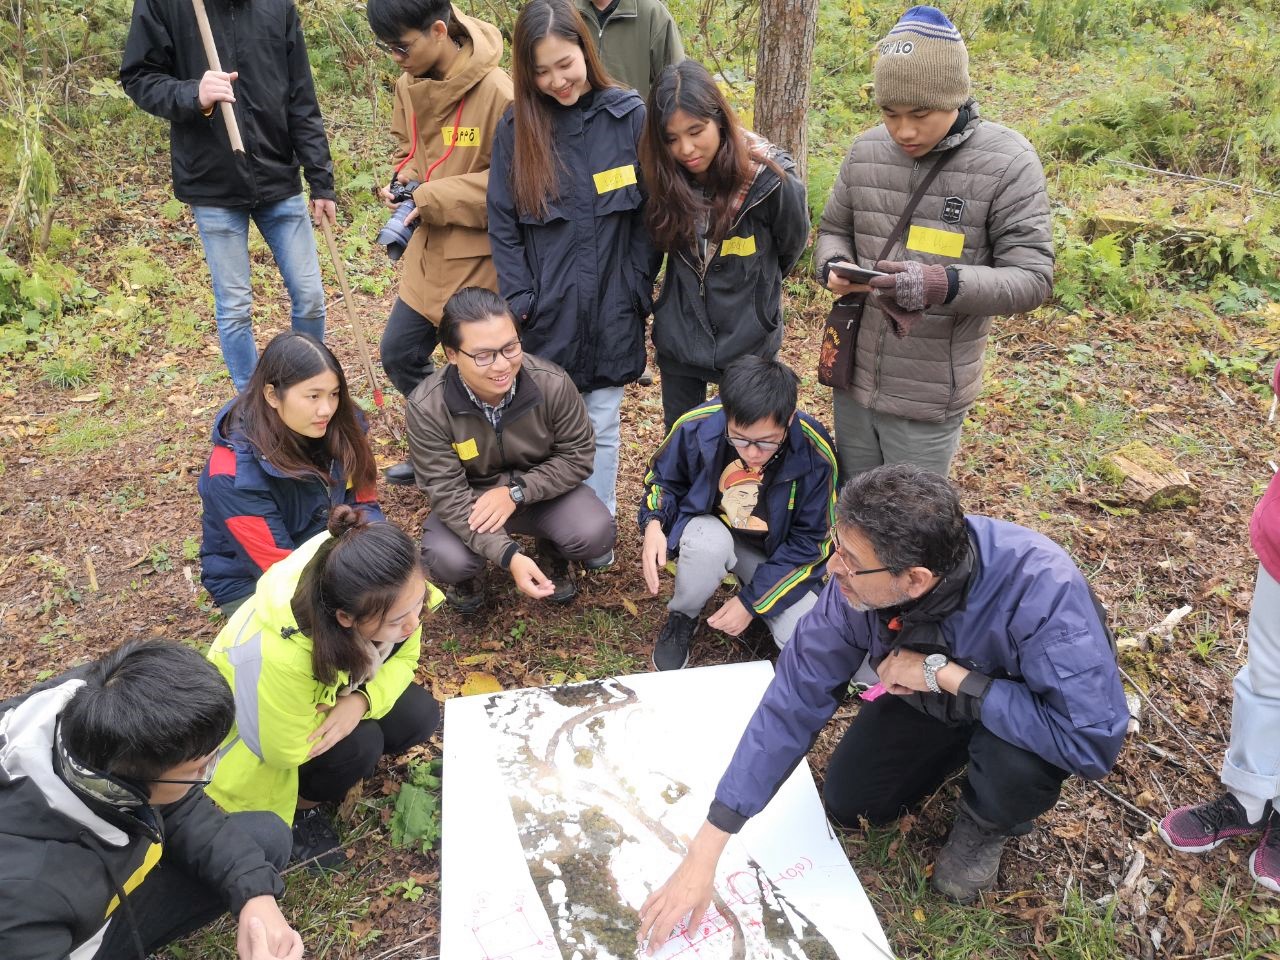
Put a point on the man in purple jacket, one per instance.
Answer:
(993, 654)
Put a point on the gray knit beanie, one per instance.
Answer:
(922, 62)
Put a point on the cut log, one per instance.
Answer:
(1147, 480)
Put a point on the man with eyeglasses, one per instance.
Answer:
(993, 654)
(449, 97)
(101, 800)
(501, 443)
(744, 484)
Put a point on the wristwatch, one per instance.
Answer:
(932, 664)
(516, 489)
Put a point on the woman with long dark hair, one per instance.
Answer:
(565, 218)
(728, 210)
(321, 660)
(287, 450)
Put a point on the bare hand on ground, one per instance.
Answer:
(530, 580)
(653, 555)
(732, 618)
(262, 933)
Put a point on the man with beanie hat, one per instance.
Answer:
(979, 244)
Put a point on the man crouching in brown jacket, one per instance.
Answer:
(501, 443)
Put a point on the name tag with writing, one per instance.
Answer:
(615, 179)
(944, 243)
(466, 136)
(738, 246)
(466, 450)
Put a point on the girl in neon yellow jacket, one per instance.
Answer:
(321, 660)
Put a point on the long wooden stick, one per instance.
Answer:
(1188, 176)
(211, 54)
(357, 326)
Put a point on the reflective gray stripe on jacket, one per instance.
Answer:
(992, 191)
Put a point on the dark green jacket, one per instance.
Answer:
(638, 40)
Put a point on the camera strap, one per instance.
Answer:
(413, 150)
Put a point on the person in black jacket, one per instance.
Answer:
(730, 213)
(566, 218)
(109, 847)
(268, 82)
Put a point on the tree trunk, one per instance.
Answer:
(787, 32)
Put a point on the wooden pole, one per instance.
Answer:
(211, 54)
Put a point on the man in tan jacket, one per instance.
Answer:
(979, 244)
(501, 443)
(448, 101)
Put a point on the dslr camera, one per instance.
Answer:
(395, 234)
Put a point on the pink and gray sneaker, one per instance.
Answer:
(1264, 863)
(1205, 826)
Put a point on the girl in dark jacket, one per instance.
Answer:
(290, 447)
(731, 215)
(566, 220)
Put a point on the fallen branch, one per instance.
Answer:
(1188, 176)
(1127, 805)
(1161, 631)
(1173, 726)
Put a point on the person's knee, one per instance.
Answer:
(849, 807)
(447, 558)
(418, 723)
(706, 539)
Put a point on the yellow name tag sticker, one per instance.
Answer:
(466, 136)
(944, 243)
(466, 450)
(615, 179)
(738, 246)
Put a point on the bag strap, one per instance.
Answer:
(914, 202)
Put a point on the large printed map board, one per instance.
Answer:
(564, 806)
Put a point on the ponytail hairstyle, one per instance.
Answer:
(676, 203)
(360, 570)
(289, 359)
(535, 162)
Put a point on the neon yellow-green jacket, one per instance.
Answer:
(267, 662)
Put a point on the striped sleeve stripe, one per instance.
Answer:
(653, 499)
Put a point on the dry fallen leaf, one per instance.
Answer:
(477, 682)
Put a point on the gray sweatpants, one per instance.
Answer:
(708, 552)
(866, 438)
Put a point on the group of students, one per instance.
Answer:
(543, 208)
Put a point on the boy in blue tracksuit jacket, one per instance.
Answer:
(255, 515)
(993, 655)
(746, 485)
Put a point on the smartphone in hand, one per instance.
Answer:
(854, 273)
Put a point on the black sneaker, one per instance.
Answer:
(466, 597)
(400, 475)
(646, 378)
(556, 569)
(671, 652)
(315, 842)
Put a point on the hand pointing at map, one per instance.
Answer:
(687, 892)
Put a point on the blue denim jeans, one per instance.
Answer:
(286, 226)
(604, 408)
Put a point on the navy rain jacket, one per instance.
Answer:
(682, 483)
(581, 278)
(1029, 622)
(254, 515)
(709, 315)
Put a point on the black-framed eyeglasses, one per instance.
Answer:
(397, 49)
(485, 358)
(843, 554)
(764, 446)
(206, 775)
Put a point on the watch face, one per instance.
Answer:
(936, 660)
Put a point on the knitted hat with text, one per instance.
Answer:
(922, 62)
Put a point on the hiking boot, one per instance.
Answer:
(602, 562)
(968, 862)
(466, 597)
(556, 569)
(646, 378)
(1201, 828)
(315, 841)
(1264, 864)
(400, 475)
(671, 652)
